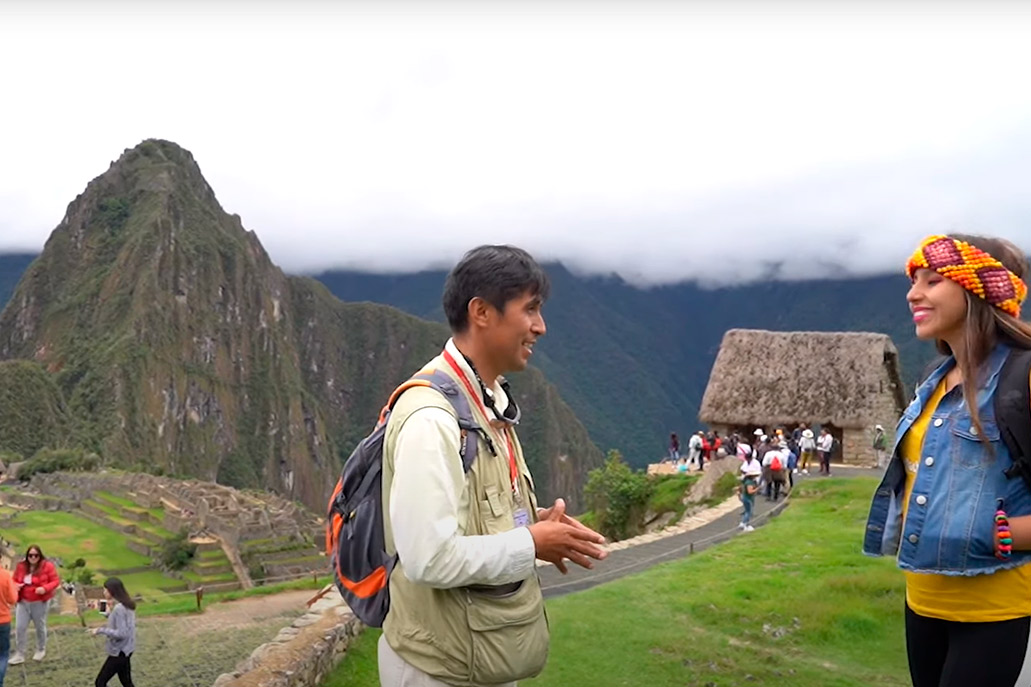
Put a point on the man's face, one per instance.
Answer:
(514, 331)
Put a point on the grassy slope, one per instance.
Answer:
(793, 603)
(68, 536)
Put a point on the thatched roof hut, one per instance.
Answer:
(845, 380)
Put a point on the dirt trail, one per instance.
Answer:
(242, 612)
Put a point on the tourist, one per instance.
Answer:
(824, 446)
(120, 632)
(744, 451)
(792, 466)
(750, 472)
(967, 572)
(8, 597)
(674, 448)
(694, 449)
(466, 566)
(808, 446)
(775, 463)
(880, 443)
(37, 579)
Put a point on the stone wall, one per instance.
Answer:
(303, 654)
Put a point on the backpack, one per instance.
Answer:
(355, 541)
(1012, 405)
(775, 464)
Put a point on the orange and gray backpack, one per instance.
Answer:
(355, 539)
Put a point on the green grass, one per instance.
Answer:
(212, 555)
(120, 500)
(669, 493)
(793, 603)
(722, 490)
(112, 512)
(69, 536)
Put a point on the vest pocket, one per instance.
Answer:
(509, 635)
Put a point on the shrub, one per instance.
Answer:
(84, 576)
(176, 553)
(618, 497)
(61, 459)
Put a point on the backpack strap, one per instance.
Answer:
(1013, 412)
(442, 383)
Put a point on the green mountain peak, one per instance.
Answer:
(177, 345)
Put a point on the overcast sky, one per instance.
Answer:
(720, 142)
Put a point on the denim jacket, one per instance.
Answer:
(950, 527)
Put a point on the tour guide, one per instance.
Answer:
(465, 602)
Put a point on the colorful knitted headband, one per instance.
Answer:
(971, 268)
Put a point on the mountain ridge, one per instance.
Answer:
(179, 346)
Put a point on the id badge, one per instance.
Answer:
(520, 515)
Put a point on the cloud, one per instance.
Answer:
(716, 142)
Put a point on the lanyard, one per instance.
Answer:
(513, 468)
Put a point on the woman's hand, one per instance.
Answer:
(41, 590)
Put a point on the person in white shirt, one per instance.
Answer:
(775, 461)
(694, 450)
(462, 550)
(823, 446)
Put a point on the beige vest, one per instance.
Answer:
(460, 636)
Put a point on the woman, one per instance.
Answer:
(750, 472)
(968, 592)
(37, 579)
(120, 632)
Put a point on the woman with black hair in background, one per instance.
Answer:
(120, 632)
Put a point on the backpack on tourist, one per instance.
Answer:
(355, 541)
(775, 463)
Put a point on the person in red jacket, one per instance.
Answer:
(8, 597)
(37, 579)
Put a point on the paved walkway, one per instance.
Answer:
(628, 561)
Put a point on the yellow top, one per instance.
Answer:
(975, 599)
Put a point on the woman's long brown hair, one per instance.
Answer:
(986, 325)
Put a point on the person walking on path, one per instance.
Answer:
(465, 598)
(880, 443)
(37, 579)
(954, 505)
(120, 632)
(824, 446)
(750, 472)
(8, 597)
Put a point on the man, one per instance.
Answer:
(824, 446)
(880, 443)
(465, 601)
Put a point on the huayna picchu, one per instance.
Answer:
(174, 345)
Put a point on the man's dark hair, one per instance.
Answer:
(497, 274)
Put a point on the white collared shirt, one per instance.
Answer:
(425, 497)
